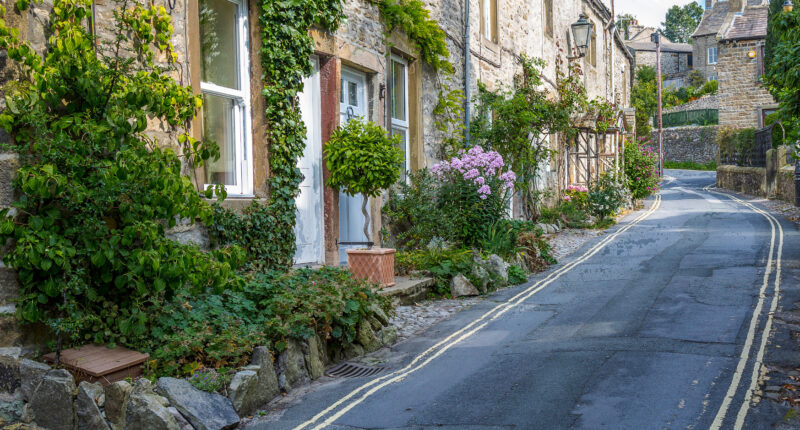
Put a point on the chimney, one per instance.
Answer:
(709, 4)
(737, 6)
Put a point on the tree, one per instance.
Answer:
(624, 21)
(362, 159)
(645, 99)
(681, 22)
(782, 76)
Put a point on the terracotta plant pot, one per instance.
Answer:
(375, 265)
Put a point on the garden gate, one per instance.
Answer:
(591, 153)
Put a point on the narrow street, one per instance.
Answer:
(656, 324)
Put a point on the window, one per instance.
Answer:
(399, 94)
(712, 78)
(760, 67)
(548, 17)
(226, 93)
(489, 20)
(765, 113)
(712, 55)
(690, 60)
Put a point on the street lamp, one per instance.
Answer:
(582, 33)
(788, 6)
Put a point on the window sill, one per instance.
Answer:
(239, 203)
(490, 44)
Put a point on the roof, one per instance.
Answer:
(751, 24)
(682, 48)
(713, 19)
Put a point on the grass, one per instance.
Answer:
(689, 165)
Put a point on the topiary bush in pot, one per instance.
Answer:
(363, 159)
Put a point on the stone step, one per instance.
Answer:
(408, 290)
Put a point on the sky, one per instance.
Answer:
(650, 12)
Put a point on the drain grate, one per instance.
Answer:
(352, 370)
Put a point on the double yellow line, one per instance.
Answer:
(358, 395)
(772, 264)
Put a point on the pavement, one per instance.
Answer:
(660, 323)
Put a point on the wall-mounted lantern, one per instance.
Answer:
(788, 6)
(582, 33)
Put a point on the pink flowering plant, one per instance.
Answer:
(578, 196)
(641, 169)
(474, 189)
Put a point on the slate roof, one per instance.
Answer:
(683, 48)
(751, 24)
(712, 20)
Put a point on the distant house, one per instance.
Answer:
(729, 46)
(676, 58)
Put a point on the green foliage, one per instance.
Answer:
(568, 213)
(286, 49)
(736, 144)
(782, 76)
(644, 98)
(689, 165)
(469, 215)
(681, 22)
(518, 122)
(362, 159)
(516, 275)
(96, 193)
(220, 330)
(501, 239)
(641, 169)
(443, 264)
(624, 21)
(414, 215)
(697, 78)
(534, 249)
(210, 380)
(606, 197)
(414, 20)
(676, 97)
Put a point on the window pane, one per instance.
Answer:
(218, 127)
(352, 93)
(403, 136)
(398, 91)
(218, 43)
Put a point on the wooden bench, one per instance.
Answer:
(101, 364)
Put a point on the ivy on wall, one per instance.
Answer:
(267, 231)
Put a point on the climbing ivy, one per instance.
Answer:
(286, 51)
(414, 20)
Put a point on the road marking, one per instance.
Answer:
(470, 329)
(745, 355)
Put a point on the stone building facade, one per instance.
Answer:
(729, 47)
(677, 59)
(356, 74)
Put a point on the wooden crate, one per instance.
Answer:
(95, 363)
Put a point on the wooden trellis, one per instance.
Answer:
(592, 153)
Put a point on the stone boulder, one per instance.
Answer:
(144, 409)
(9, 370)
(182, 423)
(379, 314)
(205, 411)
(291, 366)
(460, 286)
(51, 405)
(31, 374)
(87, 408)
(481, 275)
(316, 357)
(267, 379)
(243, 392)
(10, 412)
(366, 337)
(388, 335)
(116, 394)
(497, 267)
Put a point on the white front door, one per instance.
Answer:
(352, 104)
(309, 227)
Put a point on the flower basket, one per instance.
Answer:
(375, 264)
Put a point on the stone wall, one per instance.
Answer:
(673, 64)
(748, 180)
(700, 46)
(688, 144)
(742, 95)
(706, 102)
(775, 181)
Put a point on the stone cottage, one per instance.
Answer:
(729, 46)
(677, 59)
(356, 74)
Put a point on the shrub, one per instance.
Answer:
(96, 192)
(641, 169)
(220, 330)
(413, 213)
(736, 145)
(535, 250)
(516, 275)
(473, 193)
(578, 196)
(606, 196)
(443, 264)
(362, 159)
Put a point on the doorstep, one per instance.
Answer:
(407, 290)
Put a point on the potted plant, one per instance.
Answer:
(363, 159)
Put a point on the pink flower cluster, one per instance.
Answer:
(476, 165)
(577, 188)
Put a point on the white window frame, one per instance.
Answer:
(708, 55)
(242, 122)
(401, 124)
(489, 20)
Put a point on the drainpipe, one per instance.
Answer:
(797, 183)
(467, 94)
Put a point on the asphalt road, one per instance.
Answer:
(657, 324)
